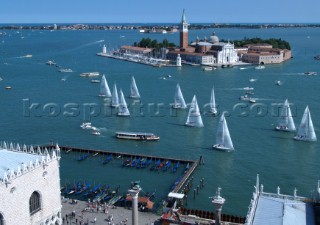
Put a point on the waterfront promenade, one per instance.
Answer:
(86, 213)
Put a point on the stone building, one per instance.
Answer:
(204, 52)
(29, 186)
(263, 54)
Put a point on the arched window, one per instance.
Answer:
(1, 219)
(34, 203)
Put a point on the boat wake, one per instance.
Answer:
(24, 56)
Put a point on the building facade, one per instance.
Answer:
(29, 186)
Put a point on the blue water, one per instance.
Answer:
(61, 106)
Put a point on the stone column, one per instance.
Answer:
(134, 192)
(218, 201)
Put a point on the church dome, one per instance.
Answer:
(213, 38)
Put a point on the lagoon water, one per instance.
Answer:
(62, 101)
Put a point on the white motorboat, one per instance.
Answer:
(90, 74)
(96, 133)
(51, 63)
(66, 70)
(311, 73)
(252, 80)
(95, 81)
(260, 67)
(139, 136)
(86, 125)
(278, 82)
(207, 68)
(248, 88)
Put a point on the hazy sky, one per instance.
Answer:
(135, 11)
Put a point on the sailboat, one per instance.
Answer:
(194, 117)
(306, 130)
(286, 121)
(223, 139)
(213, 108)
(134, 93)
(123, 108)
(104, 88)
(179, 102)
(115, 98)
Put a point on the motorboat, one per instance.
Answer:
(310, 73)
(96, 133)
(278, 82)
(260, 67)
(252, 100)
(249, 93)
(207, 68)
(139, 136)
(86, 125)
(51, 63)
(90, 74)
(252, 80)
(244, 98)
(95, 81)
(248, 88)
(66, 70)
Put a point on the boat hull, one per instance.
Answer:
(222, 148)
(299, 138)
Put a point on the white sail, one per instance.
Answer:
(306, 129)
(213, 107)
(134, 93)
(286, 121)
(194, 118)
(223, 138)
(179, 102)
(123, 108)
(115, 98)
(104, 88)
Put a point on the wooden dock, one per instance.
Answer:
(94, 152)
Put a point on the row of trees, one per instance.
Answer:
(276, 43)
(147, 42)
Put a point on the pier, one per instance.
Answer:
(96, 152)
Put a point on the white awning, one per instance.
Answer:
(176, 195)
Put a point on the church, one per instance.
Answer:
(204, 52)
(29, 185)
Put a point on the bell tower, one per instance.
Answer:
(183, 32)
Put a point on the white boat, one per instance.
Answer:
(213, 107)
(139, 136)
(278, 82)
(66, 70)
(179, 102)
(51, 63)
(95, 81)
(260, 67)
(123, 108)
(194, 117)
(207, 68)
(86, 125)
(252, 80)
(245, 98)
(306, 129)
(286, 120)
(223, 139)
(134, 92)
(311, 73)
(115, 98)
(104, 88)
(248, 88)
(96, 133)
(90, 74)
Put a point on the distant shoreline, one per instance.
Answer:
(168, 26)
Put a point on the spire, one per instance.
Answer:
(184, 20)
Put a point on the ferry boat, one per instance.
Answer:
(137, 136)
(90, 74)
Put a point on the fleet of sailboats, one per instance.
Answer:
(115, 98)
(104, 88)
(286, 121)
(306, 129)
(134, 93)
(223, 139)
(194, 117)
(179, 102)
(213, 107)
(123, 108)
